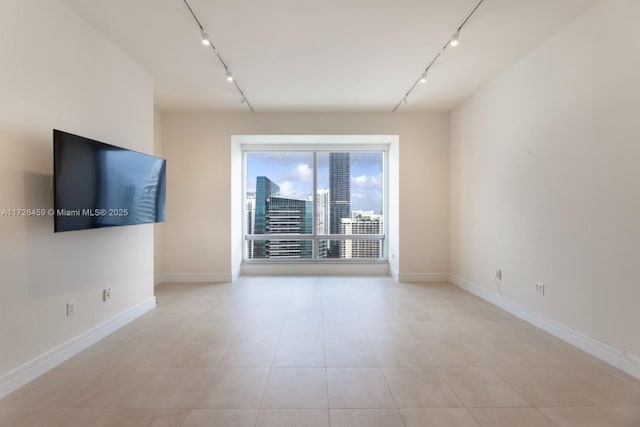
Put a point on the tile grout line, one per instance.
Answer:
(211, 371)
(273, 358)
(383, 374)
(510, 386)
(546, 417)
(324, 349)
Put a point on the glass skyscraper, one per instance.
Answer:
(265, 188)
(339, 194)
(288, 216)
(280, 215)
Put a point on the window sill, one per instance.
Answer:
(317, 268)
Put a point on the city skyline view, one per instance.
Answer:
(288, 206)
(293, 173)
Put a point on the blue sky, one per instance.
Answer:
(293, 172)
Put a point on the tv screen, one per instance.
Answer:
(100, 185)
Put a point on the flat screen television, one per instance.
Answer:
(99, 185)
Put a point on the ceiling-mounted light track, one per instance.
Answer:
(453, 41)
(206, 40)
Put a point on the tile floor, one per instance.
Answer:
(339, 352)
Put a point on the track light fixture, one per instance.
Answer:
(206, 40)
(453, 41)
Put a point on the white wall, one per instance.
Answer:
(57, 72)
(545, 178)
(198, 239)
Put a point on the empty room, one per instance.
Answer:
(296, 213)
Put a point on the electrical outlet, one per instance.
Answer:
(538, 287)
(498, 274)
(71, 308)
(106, 294)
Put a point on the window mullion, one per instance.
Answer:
(314, 197)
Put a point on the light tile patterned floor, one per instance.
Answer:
(307, 352)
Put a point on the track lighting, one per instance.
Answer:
(455, 39)
(206, 41)
(205, 38)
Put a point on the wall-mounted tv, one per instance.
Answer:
(100, 185)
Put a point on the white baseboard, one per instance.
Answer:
(630, 364)
(422, 277)
(41, 364)
(604, 352)
(193, 278)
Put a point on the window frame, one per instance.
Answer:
(314, 236)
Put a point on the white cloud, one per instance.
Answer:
(302, 173)
(362, 179)
(297, 183)
(286, 188)
(366, 192)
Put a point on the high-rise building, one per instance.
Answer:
(362, 214)
(265, 188)
(339, 194)
(250, 209)
(322, 211)
(322, 220)
(361, 224)
(268, 213)
(288, 216)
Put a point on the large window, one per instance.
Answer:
(314, 205)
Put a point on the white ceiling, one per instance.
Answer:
(324, 55)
